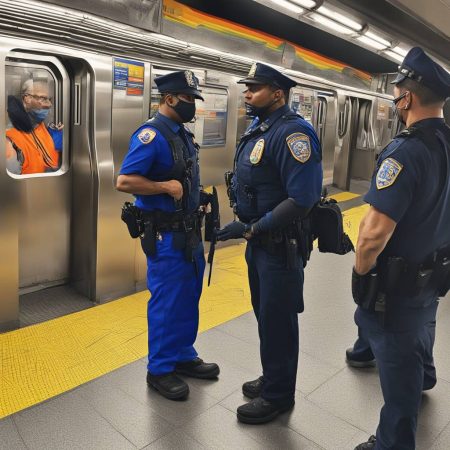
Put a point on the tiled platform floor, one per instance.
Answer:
(337, 407)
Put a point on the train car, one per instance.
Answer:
(63, 228)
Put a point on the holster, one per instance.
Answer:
(132, 217)
(148, 238)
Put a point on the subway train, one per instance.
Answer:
(63, 228)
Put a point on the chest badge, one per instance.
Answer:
(388, 173)
(257, 152)
(146, 135)
(299, 146)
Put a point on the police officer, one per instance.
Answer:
(277, 180)
(403, 252)
(161, 170)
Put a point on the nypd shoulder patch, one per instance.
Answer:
(146, 135)
(300, 146)
(388, 173)
(257, 152)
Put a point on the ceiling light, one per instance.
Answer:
(370, 42)
(394, 55)
(305, 3)
(288, 5)
(377, 38)
(400, 51)
(331, 24)
(340, 18)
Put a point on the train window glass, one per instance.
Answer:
(244, 120)
(34, 134)
(302, 102)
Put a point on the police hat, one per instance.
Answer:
(262, 74)
(181, 82)
(420, 67)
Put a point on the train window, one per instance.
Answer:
(302, 101)
(34, 133)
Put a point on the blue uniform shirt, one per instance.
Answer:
(150, 155)
(410, 186)
(277, 159)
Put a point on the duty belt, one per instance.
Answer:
(164, 221)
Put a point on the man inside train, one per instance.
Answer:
(277, 180)
(161, 170)
(31, 145)
(403, 252)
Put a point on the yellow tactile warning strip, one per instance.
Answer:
(344, 196)
(47, 359)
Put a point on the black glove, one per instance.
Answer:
(205, 198)
(233, 230)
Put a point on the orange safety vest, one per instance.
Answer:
(38, 149)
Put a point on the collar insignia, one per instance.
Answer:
(299, 146)
(388, 173)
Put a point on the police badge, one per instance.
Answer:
(388, 173)
(146, 135)
(190, 78)
(257, 152)
(299, 146)
(251, 73)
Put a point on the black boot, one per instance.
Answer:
(367, 445)
(198, 369)
(252, 389)
(259, 410)
(359, 362)
(168, 385)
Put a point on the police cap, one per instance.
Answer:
(181, 82)
(262, 74)
(420, 67)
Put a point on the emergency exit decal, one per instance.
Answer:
(129, 76)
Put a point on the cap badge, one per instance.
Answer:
(190, 78)
(257, 152)
(252, 71)
(299, 146)
(388, 173)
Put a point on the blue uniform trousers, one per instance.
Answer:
(277, 297)
(175, 285)
(405, 365)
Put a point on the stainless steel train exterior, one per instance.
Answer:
(64, 227)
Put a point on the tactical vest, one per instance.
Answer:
(185, 168)
(36, 150)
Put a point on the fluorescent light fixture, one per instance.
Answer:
(371, 43)
(394, 55)
(288, 5)
(305, 3)
(400, 51)
(340, 18)
(377, 38)
(331, 24)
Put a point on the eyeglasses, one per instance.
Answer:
(40, 98)
(397, 99)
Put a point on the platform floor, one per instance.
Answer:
(336, 407)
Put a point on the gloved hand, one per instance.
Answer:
(233, 230)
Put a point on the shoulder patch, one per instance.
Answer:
(299, 146)
(146, 135)
(388, 173)
(257, 152)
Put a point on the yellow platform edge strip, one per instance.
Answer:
(41, 361)
(344, 196)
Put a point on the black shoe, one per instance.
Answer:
(367, 445)
(168, 385)
(259, 410)
(198, 369)
(358, 362)
(252, 389)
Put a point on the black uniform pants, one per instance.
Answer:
(277, 298)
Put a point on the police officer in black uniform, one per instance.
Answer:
(277, 180)
(403, 252)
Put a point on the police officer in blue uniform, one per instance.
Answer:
(403, 252)
(161, 169)
(277, 180)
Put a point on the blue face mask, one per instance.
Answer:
(39, 115)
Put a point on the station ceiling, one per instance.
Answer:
(402, 25)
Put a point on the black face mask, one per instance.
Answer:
(397, 112)
(257, 111)
(185, 110)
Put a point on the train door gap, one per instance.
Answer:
(47, 281)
